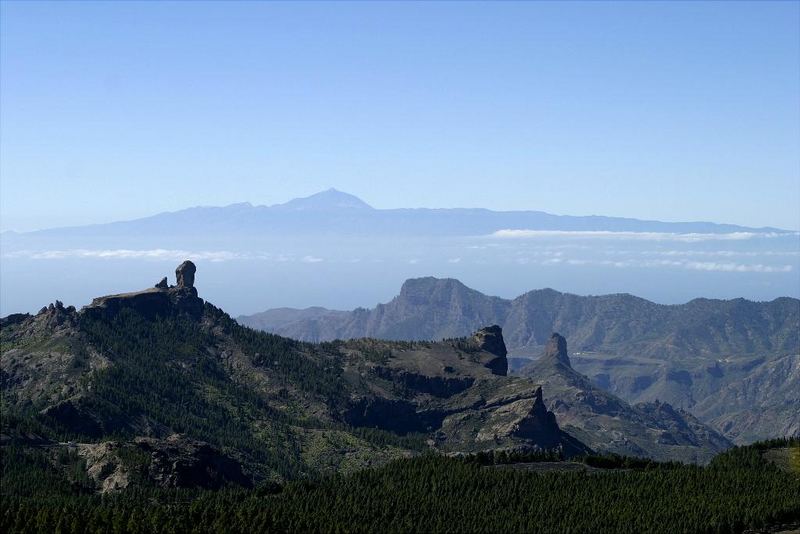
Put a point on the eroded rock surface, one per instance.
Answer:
(174, 462)
(184, 274)
(157, 301)
(490, 339)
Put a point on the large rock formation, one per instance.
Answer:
(556, 349)
(184, 274)
(607, 423)
(456, 391)
(490, 339)
(159, 300)
(538, 422)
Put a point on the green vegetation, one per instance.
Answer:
(503, 457)
(162, 370)
(616, 461)
(738, 490)
(167, 371)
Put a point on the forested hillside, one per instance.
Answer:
(741, 489)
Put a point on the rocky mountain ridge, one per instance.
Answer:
(146, 365)
(433, 308)
(636, 349)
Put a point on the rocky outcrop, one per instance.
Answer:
(54, 319)
(538, 423)
(14, 318)
(556, 349)
(175, 462)
(490, 339)
(184, 274)
(157, 301)
(149, 303)
(607, 423)
(180, 462)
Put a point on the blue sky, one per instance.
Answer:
(672, 111)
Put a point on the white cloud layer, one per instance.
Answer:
(663, 259)
(158, 254)
(127, 254)
(641, 236)
(729, 267)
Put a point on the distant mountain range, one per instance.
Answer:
(728, 361)
(363, 253)
(333, 211)
(435, 308)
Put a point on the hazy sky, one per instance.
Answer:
(673, 111)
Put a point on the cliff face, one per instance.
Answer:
(490, 339)
(157, 301)
(456, 391)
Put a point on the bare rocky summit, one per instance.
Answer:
(159, 300)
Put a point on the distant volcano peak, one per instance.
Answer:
(329, 199)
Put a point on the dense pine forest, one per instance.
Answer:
(739, 490)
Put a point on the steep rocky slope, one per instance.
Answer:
(604, 421)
